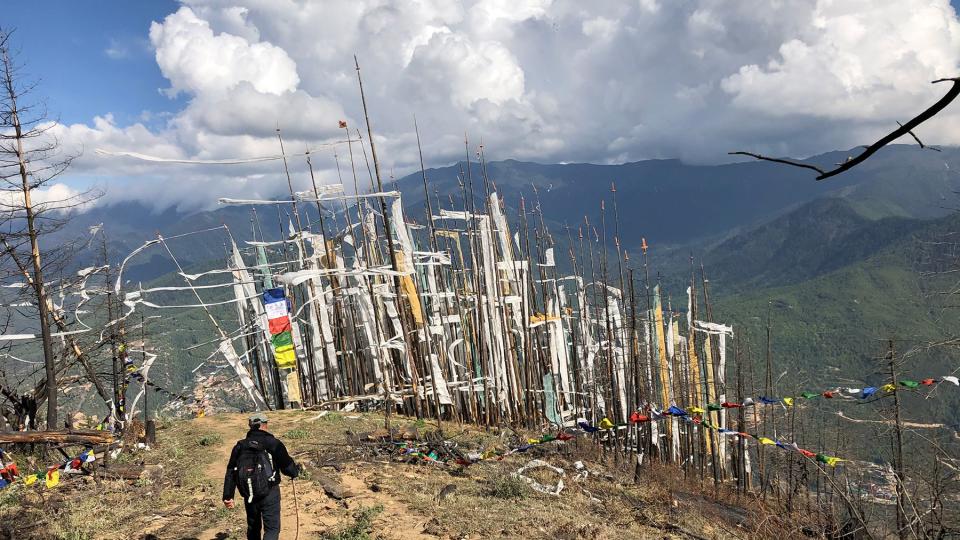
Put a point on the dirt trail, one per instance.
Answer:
(317, 511)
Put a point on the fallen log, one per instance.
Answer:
(51, 437)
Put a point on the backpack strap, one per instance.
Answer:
(237, 447)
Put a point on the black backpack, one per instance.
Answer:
(254, 469)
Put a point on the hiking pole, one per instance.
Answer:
(296, 506)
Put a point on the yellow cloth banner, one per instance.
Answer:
(788, 401)
(764, 440)
(697, 410)
(30, 479)
(541, 317)
(888, 388)
(606, 424)
(286, 359)
(409, 288)
(53, 478)
(293, 387)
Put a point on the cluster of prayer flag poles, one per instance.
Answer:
(466, 318)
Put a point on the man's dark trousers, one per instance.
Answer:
(264, 512)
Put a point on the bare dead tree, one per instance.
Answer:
(31, 157)
(904, 129)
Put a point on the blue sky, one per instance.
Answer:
(65, 44)
(538, 80)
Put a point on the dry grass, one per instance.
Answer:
(487, 500)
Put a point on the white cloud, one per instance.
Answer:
(548, 80)
(650, 5)
(466, 72)
(57, 197)
(117, 50)
(859, 59)
(196, 60)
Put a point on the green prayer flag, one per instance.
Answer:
(809, 395)
(713, 407)
(282, 339)
(910, 384)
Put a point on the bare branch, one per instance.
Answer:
(778, 160)
(912, 134)
(904, 129)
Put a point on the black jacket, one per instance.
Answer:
(281, 459)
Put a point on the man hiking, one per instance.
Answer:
(254, 469)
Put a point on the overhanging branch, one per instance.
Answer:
(904, 129)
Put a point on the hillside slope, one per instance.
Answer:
(833, 310)
(669, 202)
(352, 488)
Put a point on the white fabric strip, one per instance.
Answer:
(227, 161)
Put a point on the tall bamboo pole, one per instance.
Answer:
(388, 226)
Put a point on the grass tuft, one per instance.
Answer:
(361, 527)
(506, 486)
(210, 439)
(298, 433)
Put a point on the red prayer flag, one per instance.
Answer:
(807, 453)
(828, 394)
(342, 124)
(928, 382)
(729, 405)
(10, 472)
(562, 436)
(280, 324)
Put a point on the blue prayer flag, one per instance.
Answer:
(587, 427)
(273, 295)
(676, 411)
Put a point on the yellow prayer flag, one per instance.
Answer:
(697, 410)
(30, 479)
(285, 359)
(606, 424)
(53, 478)
(888, 388)
(832, 461)
(764, 440)
(533, 441)
(788, 401)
